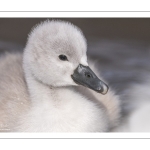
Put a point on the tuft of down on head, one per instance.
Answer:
(48, 46)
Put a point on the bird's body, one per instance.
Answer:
(37, 93)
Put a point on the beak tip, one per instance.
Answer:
(104, 92)
(104, 89)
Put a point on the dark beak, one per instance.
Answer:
(83, 75)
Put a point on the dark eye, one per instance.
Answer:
(63, 57)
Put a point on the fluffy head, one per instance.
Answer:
(46, 43)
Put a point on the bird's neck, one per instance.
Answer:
(41, 93)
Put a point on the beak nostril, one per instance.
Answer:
(87, 75)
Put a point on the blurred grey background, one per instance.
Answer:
(120, 47)
(17, 29)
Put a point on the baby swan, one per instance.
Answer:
(44, 95)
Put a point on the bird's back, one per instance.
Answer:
(13, 90)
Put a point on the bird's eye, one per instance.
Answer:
(63, 57)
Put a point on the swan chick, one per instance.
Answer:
(58, 89)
